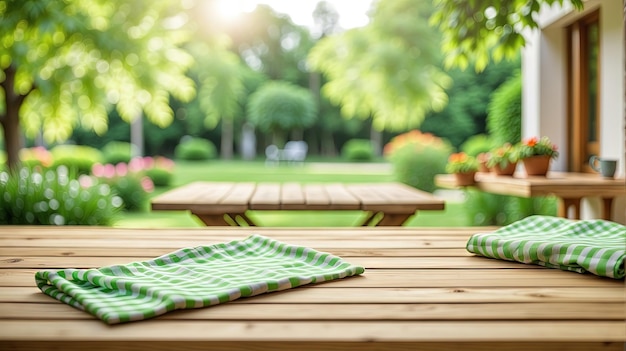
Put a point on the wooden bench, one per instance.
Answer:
(226, 203)
(421, 291)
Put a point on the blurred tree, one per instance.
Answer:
(64, 62)
(471, 92)
(279, 107)
(479, 31)
(504, 121)
(220, 87)
(388, 70)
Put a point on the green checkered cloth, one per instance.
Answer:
(594, 246)
(192, 278)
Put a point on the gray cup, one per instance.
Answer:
(606, 167)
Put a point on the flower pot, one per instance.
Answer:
(482, 167)
(464, 179)
(506, 171)
(537, 165)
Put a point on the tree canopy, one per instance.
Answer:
(478, 31)
(64, 63)
(388, 70)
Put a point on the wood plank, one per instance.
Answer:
(16, 252)
(239, 194)
(469, 262)
(420, 278)
(266, 197)
(341, 198)
(292, 197)
(430, 331)
(316, 197)
(368, 345)
(347, 312)
(327, 293)
(176, 243)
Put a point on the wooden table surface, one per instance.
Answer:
(570, 188)
(224, 203)
(421, 291)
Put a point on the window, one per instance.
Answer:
(584, 121)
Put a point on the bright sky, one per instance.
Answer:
(352, 13)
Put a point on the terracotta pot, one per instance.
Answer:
(506, 171)
(482, 167)
(537, 165)
(464, 179)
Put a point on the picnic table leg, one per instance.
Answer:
(213, 219)
(565, 204)
(369, 216)
(242, 217)
(394, 219)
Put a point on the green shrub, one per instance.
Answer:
(417, 158)
(78, 158)
(159, 169)
(118, 152)
(195, 149)
(37, 156)
(55, 197)
(477, 144)
(160, 176)
(493, 209)
(504, 114)
(132, 186)
(357, 150)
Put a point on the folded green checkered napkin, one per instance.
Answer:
(192, 278)
(594, 246)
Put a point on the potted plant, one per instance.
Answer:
(464, 168)
(482, 159)
(503, 160)
(536, 154)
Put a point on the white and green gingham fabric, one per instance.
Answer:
(595, 246)
(192, 278)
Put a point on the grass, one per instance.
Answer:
(311, 172)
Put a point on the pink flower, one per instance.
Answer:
(148, 162)
(109, 171)
(147, 184)
(121, 169)
(85, 181)
(97, 169)
(135, 165)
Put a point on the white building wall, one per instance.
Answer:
(544, 91)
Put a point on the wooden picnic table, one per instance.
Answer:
(569, 188)
(421, 290)
(226, 203)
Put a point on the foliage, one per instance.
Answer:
(504, 119)
(502, 156)
(118, 152)
(388, 70)
(461, 162)
(159, 169)
(195, 149)
(77, 158)
(492, 209)
(131, 185)
(357, 150)
(55, 198)
(537, 147)
(278, 107)
(477, 144)
(36, 156)
(70, 60)
(417, 157)
(482, 30)
(471, 92)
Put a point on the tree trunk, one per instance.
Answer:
(11, 120)
(136, 136)
(226, 148)
(376, 138)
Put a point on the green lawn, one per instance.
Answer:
(310, 172)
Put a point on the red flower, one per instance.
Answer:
(532, 141)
